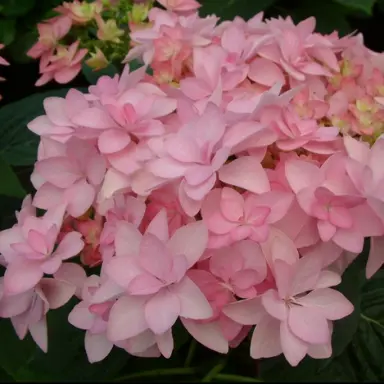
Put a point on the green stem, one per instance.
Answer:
(214, 372)
(191, 353)
(373, 321)
(236, 378)
(157, 372)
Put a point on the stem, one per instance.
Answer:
(213, 372)
(158, 372)
(373, 321)
(236, 378)
(191, 353)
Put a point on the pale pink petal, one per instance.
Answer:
(308, 324)
(376, 256)
(127, 239)
(113, 140)
(349, 240)
(246, 312)
(21, 276)
(72, 273)
(265, 72)
(322, 351)
(122, 270)
(69, 246)
(190, 240)
(328, 302)
(293, 348)
(144, 284)
(274, 305)
(95, 118)
(301, 174)
(165, 343)
(97, 346)
(57, 292)
(126, 318)
(326, 230)
(245, 172)
(208, 334)
(80, 316)
(159, 226)
(327, 279)
(39, 333)
(265, 340)
(14, 305)
(162, 311)
(79, 197)
(193, 303)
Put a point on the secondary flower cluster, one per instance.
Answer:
(81, 28)
(234, 194)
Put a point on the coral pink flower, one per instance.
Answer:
(27, 310)
(50, 32)
(63, 66)
(80, 12)
(29, 250)
(290, 320)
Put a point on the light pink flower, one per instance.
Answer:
(29, 250)
(290, 320)
(151, 269)
(27, 310)
(231, 217)
(180, 5)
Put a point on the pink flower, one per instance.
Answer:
(50, 32)
(29, 250)
(82, 170)
(231, 217)
(290, 320)
(94, 319)
(63, 66)
(80, 12)
(151, 270)
(27, 310)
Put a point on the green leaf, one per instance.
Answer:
(9, 183)
(229, 9)
(7, 31)
(16, 7)
(93, 76)
(20, 46)
(361, 5)
(18, 145)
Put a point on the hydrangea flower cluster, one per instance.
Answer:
(228, 190)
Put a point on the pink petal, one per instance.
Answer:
(162, 311)
(376, 256)
(56, 111)
(246, 312)
(65, 75)
(69, 246)
(208, 334)
(39, 333)
(193, 304)
(329, 303)
(159, 226)
(183, 149)
(349, 240)
(14, 305)
(326, 230)
(127, 318)
(231, 204)
(72, 273)
(301, 174)
(79, 197)
(274, 305)
(155, 257)
(97, 346)
(113, 140)
(127, 239)
(21, 276)
(122, 270)
(327, 279)
(265, 72)
(190, 240)
(57, 292)
(144, 284)
(293, 348)
(245, 172)
(165, 343)
(308, 324)
(94, 118)
(265, 340)
(80, 316)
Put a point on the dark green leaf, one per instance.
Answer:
(93, 76)
(9, 183)
(229, 9)
(17, 7)
(7, 31)
(18, 145)
(361, 5)
(20, 46)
